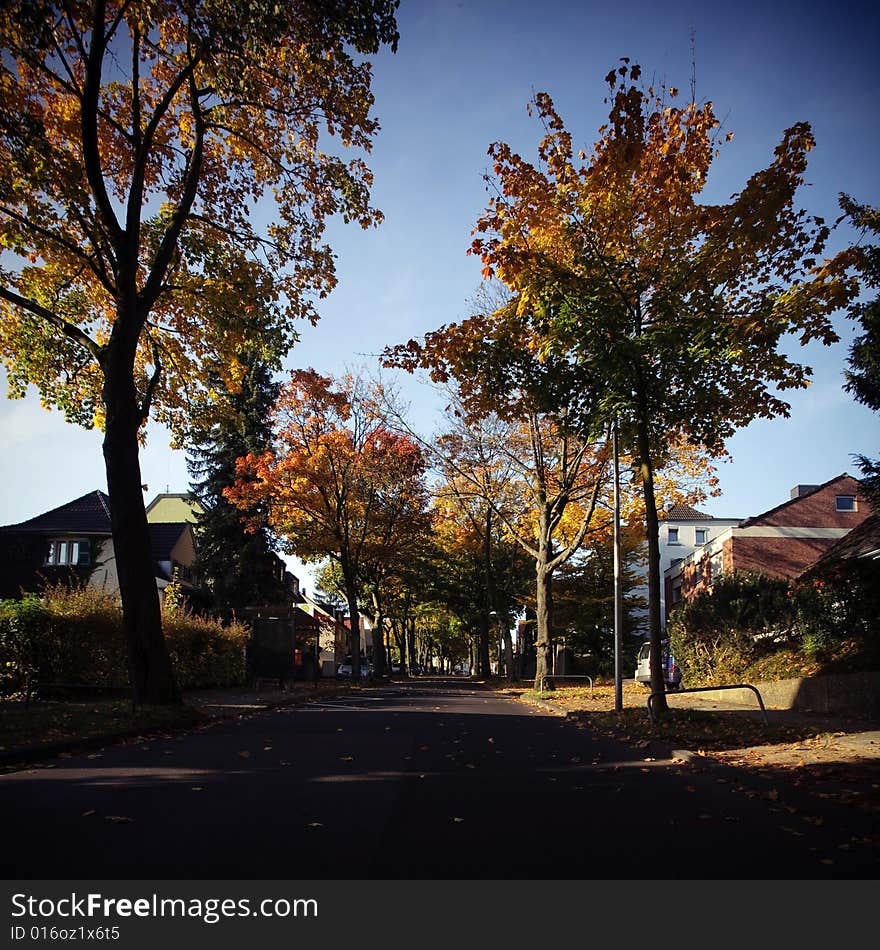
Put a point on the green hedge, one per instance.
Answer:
(752, 625)
(74, 636)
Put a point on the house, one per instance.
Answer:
(683, 531)
(75, 541)
(167, 508)
(782, 542)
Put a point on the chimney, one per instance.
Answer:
(800, 490)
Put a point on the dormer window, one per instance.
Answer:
(846, 503)
(68, 552)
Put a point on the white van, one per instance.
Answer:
(671, 670)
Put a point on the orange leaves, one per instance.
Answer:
(163, 173)
(339, 481)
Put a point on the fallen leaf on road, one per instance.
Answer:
(791, 831)
(346, 758)
(89, 813)
(284, 763)
(119, 819)
(245, 755)
(197, 788)
(458, 819)
(314, 824)
(703, 817)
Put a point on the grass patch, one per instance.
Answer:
(46, 722)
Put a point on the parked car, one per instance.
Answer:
(344, 670)
(671, 670)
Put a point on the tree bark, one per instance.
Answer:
(652, 536)
(149, 664)
(379, 664)
(507, 640)
(354, 623)
(544, 622)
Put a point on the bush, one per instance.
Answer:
(26, 644)
(750, 624)
(204, 651)
(74, 636)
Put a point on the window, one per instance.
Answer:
(716, 565)
(702, 535)
(672, 536)
(69, 553)
(846, 503)
(676, 594)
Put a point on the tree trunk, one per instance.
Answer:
(412, 656)
(652, 536)
(544, 621)
(400, 640)
(149, 664)
(379, 665)
(354, 623)
(483, 642)
(507, 640)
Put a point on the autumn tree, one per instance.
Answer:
(238, 567)
(672, 309)
(480, 571)
(138, 142)
(863, 375)
(337, 482)
(541, 478)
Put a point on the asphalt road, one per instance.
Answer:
(429, 781)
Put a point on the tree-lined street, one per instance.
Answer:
(434, 780)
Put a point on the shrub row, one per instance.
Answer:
(750, 624)
(75, 637)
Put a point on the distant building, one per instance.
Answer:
(170, 508)
(74, 542)
(782, 542)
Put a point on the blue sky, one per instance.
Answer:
(460, 80)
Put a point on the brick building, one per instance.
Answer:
(781, 542)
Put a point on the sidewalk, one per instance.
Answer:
(826, 757)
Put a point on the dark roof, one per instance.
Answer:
(685, 513)
(89, 514)
(163, 537)
(862, 542)
(793, 501)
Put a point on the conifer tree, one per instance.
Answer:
(238, 567)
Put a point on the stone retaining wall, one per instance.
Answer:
(844, 694)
